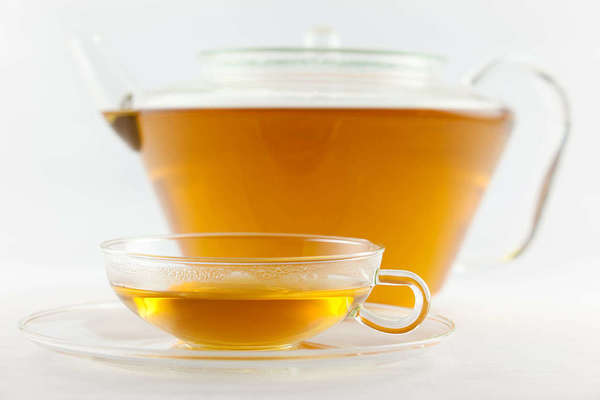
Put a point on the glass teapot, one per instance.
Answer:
(330, 141)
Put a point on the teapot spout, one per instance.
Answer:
(125, 124)
(112, 90)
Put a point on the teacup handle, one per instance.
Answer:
(403, 324)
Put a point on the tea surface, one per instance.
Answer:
(242, 318)
(409, 179)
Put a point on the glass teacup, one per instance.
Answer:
(254, 290)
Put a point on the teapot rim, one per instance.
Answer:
(354, 57)
(341, 50)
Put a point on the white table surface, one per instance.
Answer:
(513, 340)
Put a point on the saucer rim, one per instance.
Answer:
(125, 352)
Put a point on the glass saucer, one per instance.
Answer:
(108, 331)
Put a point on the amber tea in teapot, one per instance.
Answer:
(409, 178)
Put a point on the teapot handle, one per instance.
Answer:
(563, 110)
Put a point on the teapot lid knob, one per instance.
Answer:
(321, 36)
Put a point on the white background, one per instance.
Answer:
(67, 182)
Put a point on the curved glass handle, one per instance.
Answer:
(404, 324)
(561, 104)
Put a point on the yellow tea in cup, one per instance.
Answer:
(242, 317)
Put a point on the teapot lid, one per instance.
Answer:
(320, 60)
(320, 74)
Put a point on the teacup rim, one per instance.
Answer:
(106, 247)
